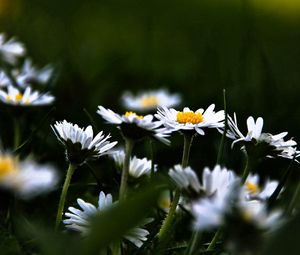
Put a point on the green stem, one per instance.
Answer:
(246, 169)
(193, 244)
(213, 242)
(63, 195)
(16, 133)
(294, 200)
(221, 147)
(125, 171)
(115, 248)
(152, 156)
(168, 220)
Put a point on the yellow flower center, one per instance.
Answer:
(149, 101)
(252, 188)
(189, 117)
(127, 114)
(7, 165)
(18, 97)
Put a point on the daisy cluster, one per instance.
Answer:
(218, 201)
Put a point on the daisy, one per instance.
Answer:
(150, 100)
(217, 181)
(185, 178)
(80, 144)
(254, 191)
(79, 219)
(30, 74)
(272, 145)
(137, 167)
(188, 120)
(13, 96)
(10, 50)
(26, 178)
(135, 126)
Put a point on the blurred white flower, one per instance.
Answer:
(135, 126)
(277, 145)
(80, 144)
(26, 178)
(30, 74)
(185, 178)
(254, 191)
(4, 80)
(190, 120)
(137, 166)
(14, 96)
(255, 212)
(150, 100)
(10, 50)
(217, 181)
(79, 220)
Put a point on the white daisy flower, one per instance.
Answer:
(150, 100)
(217, 181)
(80, 144)
(188, 120)
(30, 74)
(13, 96)
(185, 178)
(275, 144)
(4, 80)
(26, 178)
(253, 190)
(256, 212)
(10, 50)
(137, 166)
(135, 126)
(79, 220)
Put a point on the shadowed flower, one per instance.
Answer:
(137, 167)
(264, 144)
(10, 50)
(135, 127)
(29, 74)
(13, 96)
(150, 100)
(79, 220)
(80, 144)
(254, 191)
(185, 178)
(188, 120)
(26, 178)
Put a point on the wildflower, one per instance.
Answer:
(217, 181)
(254, 191)
(185, 178)
(150, 100)
(188, 120)
(137, 166)
(26, 178)
(262, 144)
(10, 50)
(80, 144)
(13, 96)
(79, 220)
(135, 127)
(29, 74)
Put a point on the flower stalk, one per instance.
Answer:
(63, 195)
(129, 144)
(188, 138)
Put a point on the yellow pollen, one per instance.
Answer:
(127, 114)
(252, 188)
(18, 97)
(189, 117)
(149, 101)
(7, 165)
